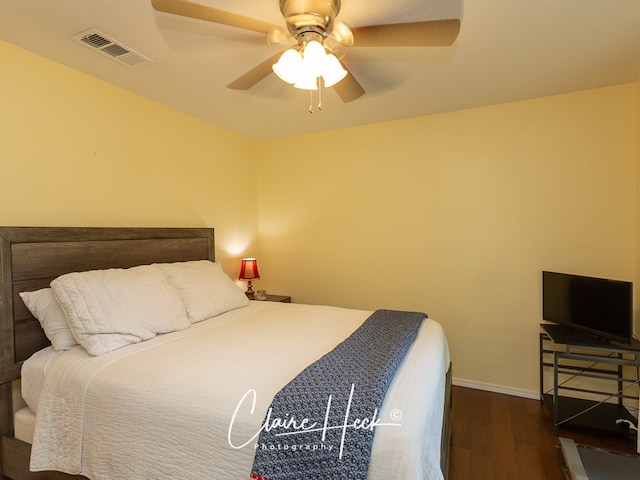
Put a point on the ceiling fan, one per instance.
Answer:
(310, 21)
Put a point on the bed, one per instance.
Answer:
(257, 347)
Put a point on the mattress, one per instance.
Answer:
(172, 407)
(24, 424)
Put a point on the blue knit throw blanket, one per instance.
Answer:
(321, 424)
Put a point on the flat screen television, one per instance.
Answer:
(595, 306)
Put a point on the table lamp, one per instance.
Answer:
(249, 271)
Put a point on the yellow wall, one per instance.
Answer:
(79, 152)
(457, 215)
(453, 214)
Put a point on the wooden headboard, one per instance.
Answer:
(30, 257)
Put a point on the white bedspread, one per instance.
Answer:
(163, 409)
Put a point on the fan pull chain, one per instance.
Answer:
(319, 84)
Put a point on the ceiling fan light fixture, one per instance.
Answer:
(303, 70)
(289, 66)
(332, 71)
(313, 58)
(306, 82)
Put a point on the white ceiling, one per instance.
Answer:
(507, 50)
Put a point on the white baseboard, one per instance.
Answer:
(516, 392)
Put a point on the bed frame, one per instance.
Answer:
(30, 257)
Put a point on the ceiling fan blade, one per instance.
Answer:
(348, 89)
(256, 74)
(431, 33)
(279, 36)
(189, 9)
(342, 33)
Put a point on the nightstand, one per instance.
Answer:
(277, 298)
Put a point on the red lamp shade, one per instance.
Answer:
(249, 271)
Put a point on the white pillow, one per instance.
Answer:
(43, 305)
(205, 289)
(108, 309)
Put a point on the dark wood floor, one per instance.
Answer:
(498, 437)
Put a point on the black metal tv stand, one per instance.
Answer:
(593, 380)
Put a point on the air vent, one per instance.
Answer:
(98, 41)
